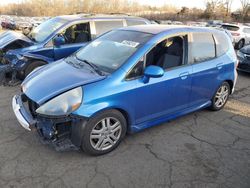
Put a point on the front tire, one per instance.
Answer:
(104, 132)
(32, 66)
(221, 96)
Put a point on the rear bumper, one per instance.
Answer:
(23, 116)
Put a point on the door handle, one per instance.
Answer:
(219, 65)
(184, 75)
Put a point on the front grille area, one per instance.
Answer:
(30, 105)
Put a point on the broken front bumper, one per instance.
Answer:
(62, 133)
(22, 115)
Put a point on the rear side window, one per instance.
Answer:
(135, 22)
(104, 26)
(202, 47)
(222, 44)
(246, 30)
(230, 27)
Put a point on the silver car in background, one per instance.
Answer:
(240, 33)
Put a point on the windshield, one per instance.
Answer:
(111, 50)
(41, 32)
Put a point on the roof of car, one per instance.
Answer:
(99, 16)
(156, 29)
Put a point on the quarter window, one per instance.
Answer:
(137, 71)
(222, 44)
(104, 26)
(202, 47)
(135, 22)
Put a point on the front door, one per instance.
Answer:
(76, 36)
(170, 93)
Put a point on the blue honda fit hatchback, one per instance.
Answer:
(125, 81)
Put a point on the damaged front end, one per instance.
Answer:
(63, 133)
(10, 41)
(8, 70)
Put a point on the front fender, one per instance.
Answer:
(89, 111)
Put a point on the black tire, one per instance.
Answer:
(87, 146)
(240, 44)
(32, 66)
(215, 107)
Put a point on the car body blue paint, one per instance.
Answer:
(42, 93)
(179, 91)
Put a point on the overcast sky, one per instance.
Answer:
(177, 3)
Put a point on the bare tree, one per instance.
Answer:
(228, 5)
(244, 7)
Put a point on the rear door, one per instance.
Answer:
(206, 68)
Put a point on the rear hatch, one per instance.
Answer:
(233, 29)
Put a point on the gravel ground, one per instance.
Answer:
(201, 150)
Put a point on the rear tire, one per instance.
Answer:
(221, 96)
(32, 66)
(104, 132)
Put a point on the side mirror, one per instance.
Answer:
(152, 71)
(58, 41)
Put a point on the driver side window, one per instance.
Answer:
(77, 33)
(168, 54)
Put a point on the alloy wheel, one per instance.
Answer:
(105, 133)
(221, 96)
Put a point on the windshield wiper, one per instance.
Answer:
(92, 65)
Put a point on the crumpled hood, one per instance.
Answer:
(20, 51)
(56, 78)
(10, 36)
(246, 49)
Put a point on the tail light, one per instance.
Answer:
(236, 34)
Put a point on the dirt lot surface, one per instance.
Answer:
(201, 150)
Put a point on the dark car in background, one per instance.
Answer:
(57, 38)
(244, 59)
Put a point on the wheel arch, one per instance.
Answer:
(231, 84)
(30, 61)
(119, 109)
(77, 130)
